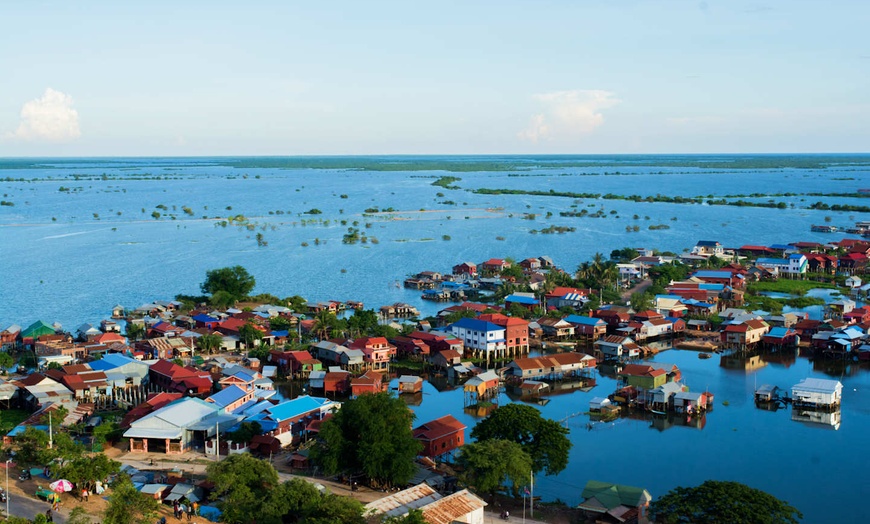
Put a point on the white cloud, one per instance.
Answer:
(48, 118)
(568, 113)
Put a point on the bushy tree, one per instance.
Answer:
(545, 440)
(235, 281)
(127, 505)
(717, 502)
(242, 483)
(209, 343)
(490, 464)
(370, 435)
(87, 468)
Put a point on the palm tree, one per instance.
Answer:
(324, 322)
(209, 343)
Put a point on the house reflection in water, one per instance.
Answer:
(819, 419)
(742, 361)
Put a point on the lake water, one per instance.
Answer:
(81, 238)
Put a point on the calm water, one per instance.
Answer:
(71, 255)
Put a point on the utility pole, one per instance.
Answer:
(532, 496)
(50, 435)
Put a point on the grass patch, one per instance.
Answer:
(792, 287)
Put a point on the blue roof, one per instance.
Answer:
(771, 261)
(227, 396)
(586, 321)
(712, 274)
(519, 299)
(711, 287)
(112, 361)
(294, 408)
(204, 318)
(707, 243)
(476, 325)
(777, 332)
(781, 247)
(281, 333)
(796, 255)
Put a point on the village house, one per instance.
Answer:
(556, 328)
(614, 347)
(516, 332)
(794, 265)
(377, 352)
(567, 297)
(467, 269)
(445, 359)
(409, 384)
(294, 363)
(438, 341)
(713, 276)
(642, 376)
(493, 266)
(484, 339)
(708, 248)
(410, 347)
(368, 382)
(817, 393)
(555, 366)
(743, 335)
(177, 427)
(590, 327)
(440, 437)
(526, 301)
(169, 376)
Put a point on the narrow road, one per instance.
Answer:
(640, 287)
(29, 507)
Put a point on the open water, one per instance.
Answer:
(81, 238)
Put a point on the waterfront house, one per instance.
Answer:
(494, 266)
(744, 335)
(853, 282)
(780, 337)
(410, 384)
(817, 392)
(376, 351)
(608, 502)
(368, 382)
(294, 362)
(859, 315)
(484, 339)
(445, 359)
(726, 278)
(438, 341)
(642, 376)
(556, 327)
(516, 332)
(481, 387)
(794, 265)
(615, 347)
(840, 307)
(467, 269)
(821, 263)
(441, 436)
(615, 318)
(336, 382)
(287, 421)
(591, 327)
(554, 366)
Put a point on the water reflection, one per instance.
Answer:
(817, 419)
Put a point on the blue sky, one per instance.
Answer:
(345, 78)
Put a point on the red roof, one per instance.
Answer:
(438, 428)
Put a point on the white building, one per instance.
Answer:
(817, 392)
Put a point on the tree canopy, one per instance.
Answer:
(488, 465)
(543, 439)
(127, 505)
(250, 491)
(721, 502)
(371, 436)
(234, 281)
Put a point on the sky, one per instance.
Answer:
(336, 77)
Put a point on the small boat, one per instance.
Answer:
(704, 355)
(657, 412)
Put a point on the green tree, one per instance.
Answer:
(246, 431)
(6, 360)
(88, 468)
(279, 324)
(222, 300)
(457, 315)
(721, 502)
(641, 301)
(370, 435)
(235, 281)
(127, 505)
(210, 342)
(78, 515)
(31, 444)
(487, 465)
(543, 439)
(135, 331)
(250, 334)
(242, 483)
(325, 323)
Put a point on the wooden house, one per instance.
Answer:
(410, 384)
(614, 347)
(606, 502)
(445, 359)
(368, 382)
(441, 436)
(818, 393)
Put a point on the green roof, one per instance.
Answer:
(614, 495)
(38, 329)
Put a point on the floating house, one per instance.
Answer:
(766, 393)
(440, 436)
(410, 384)
(817, 393)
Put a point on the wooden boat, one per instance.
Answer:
(704, 355)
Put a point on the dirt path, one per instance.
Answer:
(640, 287)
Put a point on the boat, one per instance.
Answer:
(824, 229)
(704, 355)
(657, 412)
